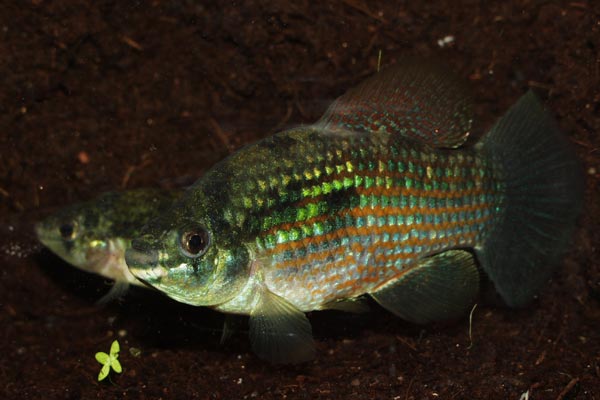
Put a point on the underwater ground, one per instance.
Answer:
(107, 95)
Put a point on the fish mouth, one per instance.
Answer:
(57, 246)
(142, 262)
(43, 236)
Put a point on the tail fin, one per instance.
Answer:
(543, 195)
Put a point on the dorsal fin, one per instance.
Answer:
(413, 99)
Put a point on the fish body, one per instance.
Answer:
(329, 216)
(378, 198)
(94, 235)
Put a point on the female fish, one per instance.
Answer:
(94, 235)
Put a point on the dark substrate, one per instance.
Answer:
(119, 94)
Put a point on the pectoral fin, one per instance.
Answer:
(279, 332)
(438, 288)
(118, 290)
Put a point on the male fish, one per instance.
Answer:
(375, 198)
(93, 235)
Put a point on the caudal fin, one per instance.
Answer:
(544, 192)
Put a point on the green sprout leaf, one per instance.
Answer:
(116, 366)
(114, 348)
(104, 372)
(102, 357)
(109, 361)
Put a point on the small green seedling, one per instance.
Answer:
(109, 360)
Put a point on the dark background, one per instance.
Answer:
(119, 94)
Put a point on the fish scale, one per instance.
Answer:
(399, 200)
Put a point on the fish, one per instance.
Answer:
(381, 197)
(94, 235)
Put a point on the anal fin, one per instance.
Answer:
(440, 287)
(279, 332)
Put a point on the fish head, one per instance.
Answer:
(190, 256)
(78, 235)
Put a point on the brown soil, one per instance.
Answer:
(122, 94)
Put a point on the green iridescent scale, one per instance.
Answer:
(366, 190)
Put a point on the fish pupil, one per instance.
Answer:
(66, 230)
(194, 243)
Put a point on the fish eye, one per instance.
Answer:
(68, 230)
(194, 242)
